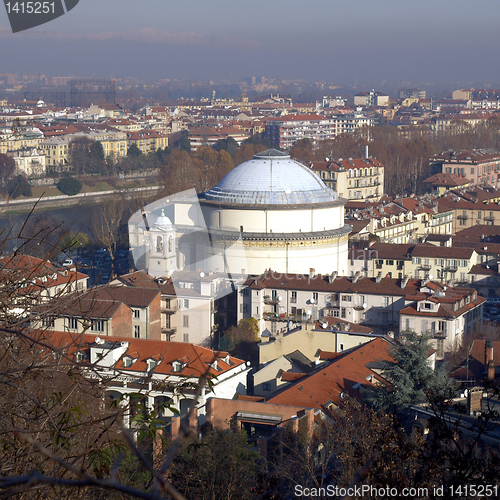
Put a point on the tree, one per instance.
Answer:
(86, 156)
(411, 380)
(246, 152)
(229, 145)
(241, 340)
(106, 225)
(134, 150)
(69, 186)
(19, 186)
(7, 168)
(219, 465)
(185, 143)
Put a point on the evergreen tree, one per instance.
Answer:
(411, 379)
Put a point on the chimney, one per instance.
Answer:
(312, 272)
(333, 276)
(366, 152)
(404, 282)
(378, 279)
(355, 277)
(490, 364)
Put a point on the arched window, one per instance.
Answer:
(170, 244)
(159, 244)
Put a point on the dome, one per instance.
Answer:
(271, 178)
(163, 222)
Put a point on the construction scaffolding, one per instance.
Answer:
(84, 92)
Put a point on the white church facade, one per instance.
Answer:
(271, 212)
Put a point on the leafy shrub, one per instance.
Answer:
(69, 186)
(18, 186)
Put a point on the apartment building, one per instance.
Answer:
(164, 373)
(353, 179)
(444, 313)
(467, 214)
(110, 310)
(148, 141)
(280, 302)
(30, 162)
(372, 98)
(114, 143)
(14, 140)
(418, 261)
(56, 149)
(480, 166)
(283, 132)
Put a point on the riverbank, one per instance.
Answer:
(22, 205)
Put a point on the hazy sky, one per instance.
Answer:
(436, 41)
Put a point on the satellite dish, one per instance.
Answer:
(309, 313)
(365, 305)
(431, 277)
(280, 298)
(202, 274)
(312, 301)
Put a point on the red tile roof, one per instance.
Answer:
(198, 360)
(340, 377)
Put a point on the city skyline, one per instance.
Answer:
(331, 41)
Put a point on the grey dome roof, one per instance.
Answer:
(271, 178)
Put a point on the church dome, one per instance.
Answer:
(271, 178)
(163, 222)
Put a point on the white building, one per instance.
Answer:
(161, 375)
(444, 313)
(269, 212)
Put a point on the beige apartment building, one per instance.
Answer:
(11, 140)
(353, 179)
(478, 165)
(148, 141)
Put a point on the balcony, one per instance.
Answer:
(489, 218)
(297, 318)
(332, 303)
(169, 330)
(169, 306)
(425, 266)
(442, 334)
(462, 217)
(271, 301)
(452, 268)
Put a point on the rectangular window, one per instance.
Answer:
(137, 331)
(266, 386)
(137, 313)
(294, 298)
(48, 321)
(167, 321)
(315, 296)
(186, 303)
(73, 323)
(97, 326)
(185, 320)
(341, 347)
(185, 337)
(343, 312)
(440, 348)
(336, 313)
(385, 302)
